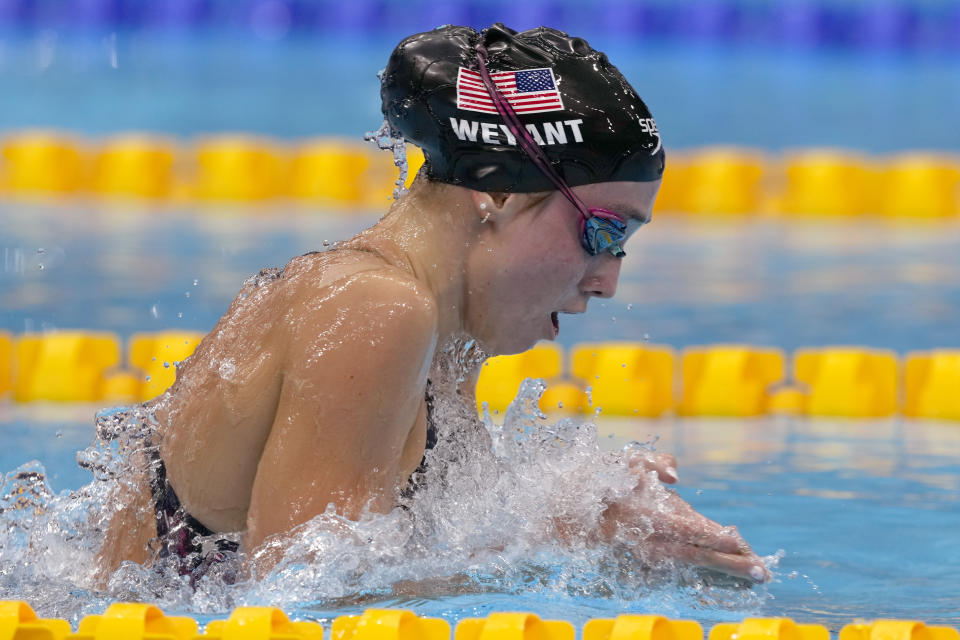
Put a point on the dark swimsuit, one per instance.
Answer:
(416, 478)
(181, 534)
(178, 531)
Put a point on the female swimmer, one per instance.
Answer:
(541, 161)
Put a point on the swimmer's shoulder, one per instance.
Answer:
(353, 281)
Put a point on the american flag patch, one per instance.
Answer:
(527, 91)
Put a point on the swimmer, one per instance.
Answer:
(315, 387)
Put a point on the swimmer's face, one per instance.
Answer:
(529, 266)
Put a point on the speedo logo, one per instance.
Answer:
(548, 133)
(648, 126)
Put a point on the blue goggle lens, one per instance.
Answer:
(604, 234)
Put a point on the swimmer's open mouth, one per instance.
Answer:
(555, 319)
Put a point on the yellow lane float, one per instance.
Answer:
(343, 174)
(729, 380)
(157, 355)
(261, 623)
(64, 366)
(897, 630)
(920, 185)
(42, 162)
(723, 180)
(500, 377)
(19, 621)
(769, 629)
(240, 168)
(851, 382)
(932, 385)
(389, 624)
(137, 621)
(134, 165)
(630, 627)
(828, 183)
(513, 626)
(626, 379)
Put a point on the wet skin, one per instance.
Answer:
(310, 389)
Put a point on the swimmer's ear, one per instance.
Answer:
(495, 207)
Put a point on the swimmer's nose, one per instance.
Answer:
(601, 278)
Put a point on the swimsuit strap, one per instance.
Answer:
(415, 481)
(431, 426)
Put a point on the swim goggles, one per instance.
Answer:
(600, 230)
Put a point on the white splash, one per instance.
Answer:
(486, 518)
(386, 137)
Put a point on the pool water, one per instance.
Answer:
(866, 513)
(686, 280)
(866, 516)
(863, 516)
(323, 85)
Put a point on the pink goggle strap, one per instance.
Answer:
(532, 149)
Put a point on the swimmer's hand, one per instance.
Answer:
(666, 527)
(665, 464)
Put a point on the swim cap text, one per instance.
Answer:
(549, 133)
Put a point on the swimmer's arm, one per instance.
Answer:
(663, 526)
(351, 396)
(678, 531)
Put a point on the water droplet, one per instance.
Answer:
(187, 294)
(59, 434)
(196, 282)
(180, 314)
(227, 369)
(166, 365)
(147, 379)
(629, 306)
(388, 138)
(154, 311)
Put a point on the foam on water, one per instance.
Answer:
(492, 506)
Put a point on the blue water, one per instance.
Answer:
(785, 284)
(325, 85)
(867, 514)
(888, 25)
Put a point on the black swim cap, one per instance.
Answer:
(580, 109)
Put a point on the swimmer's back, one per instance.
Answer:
(273, 397)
